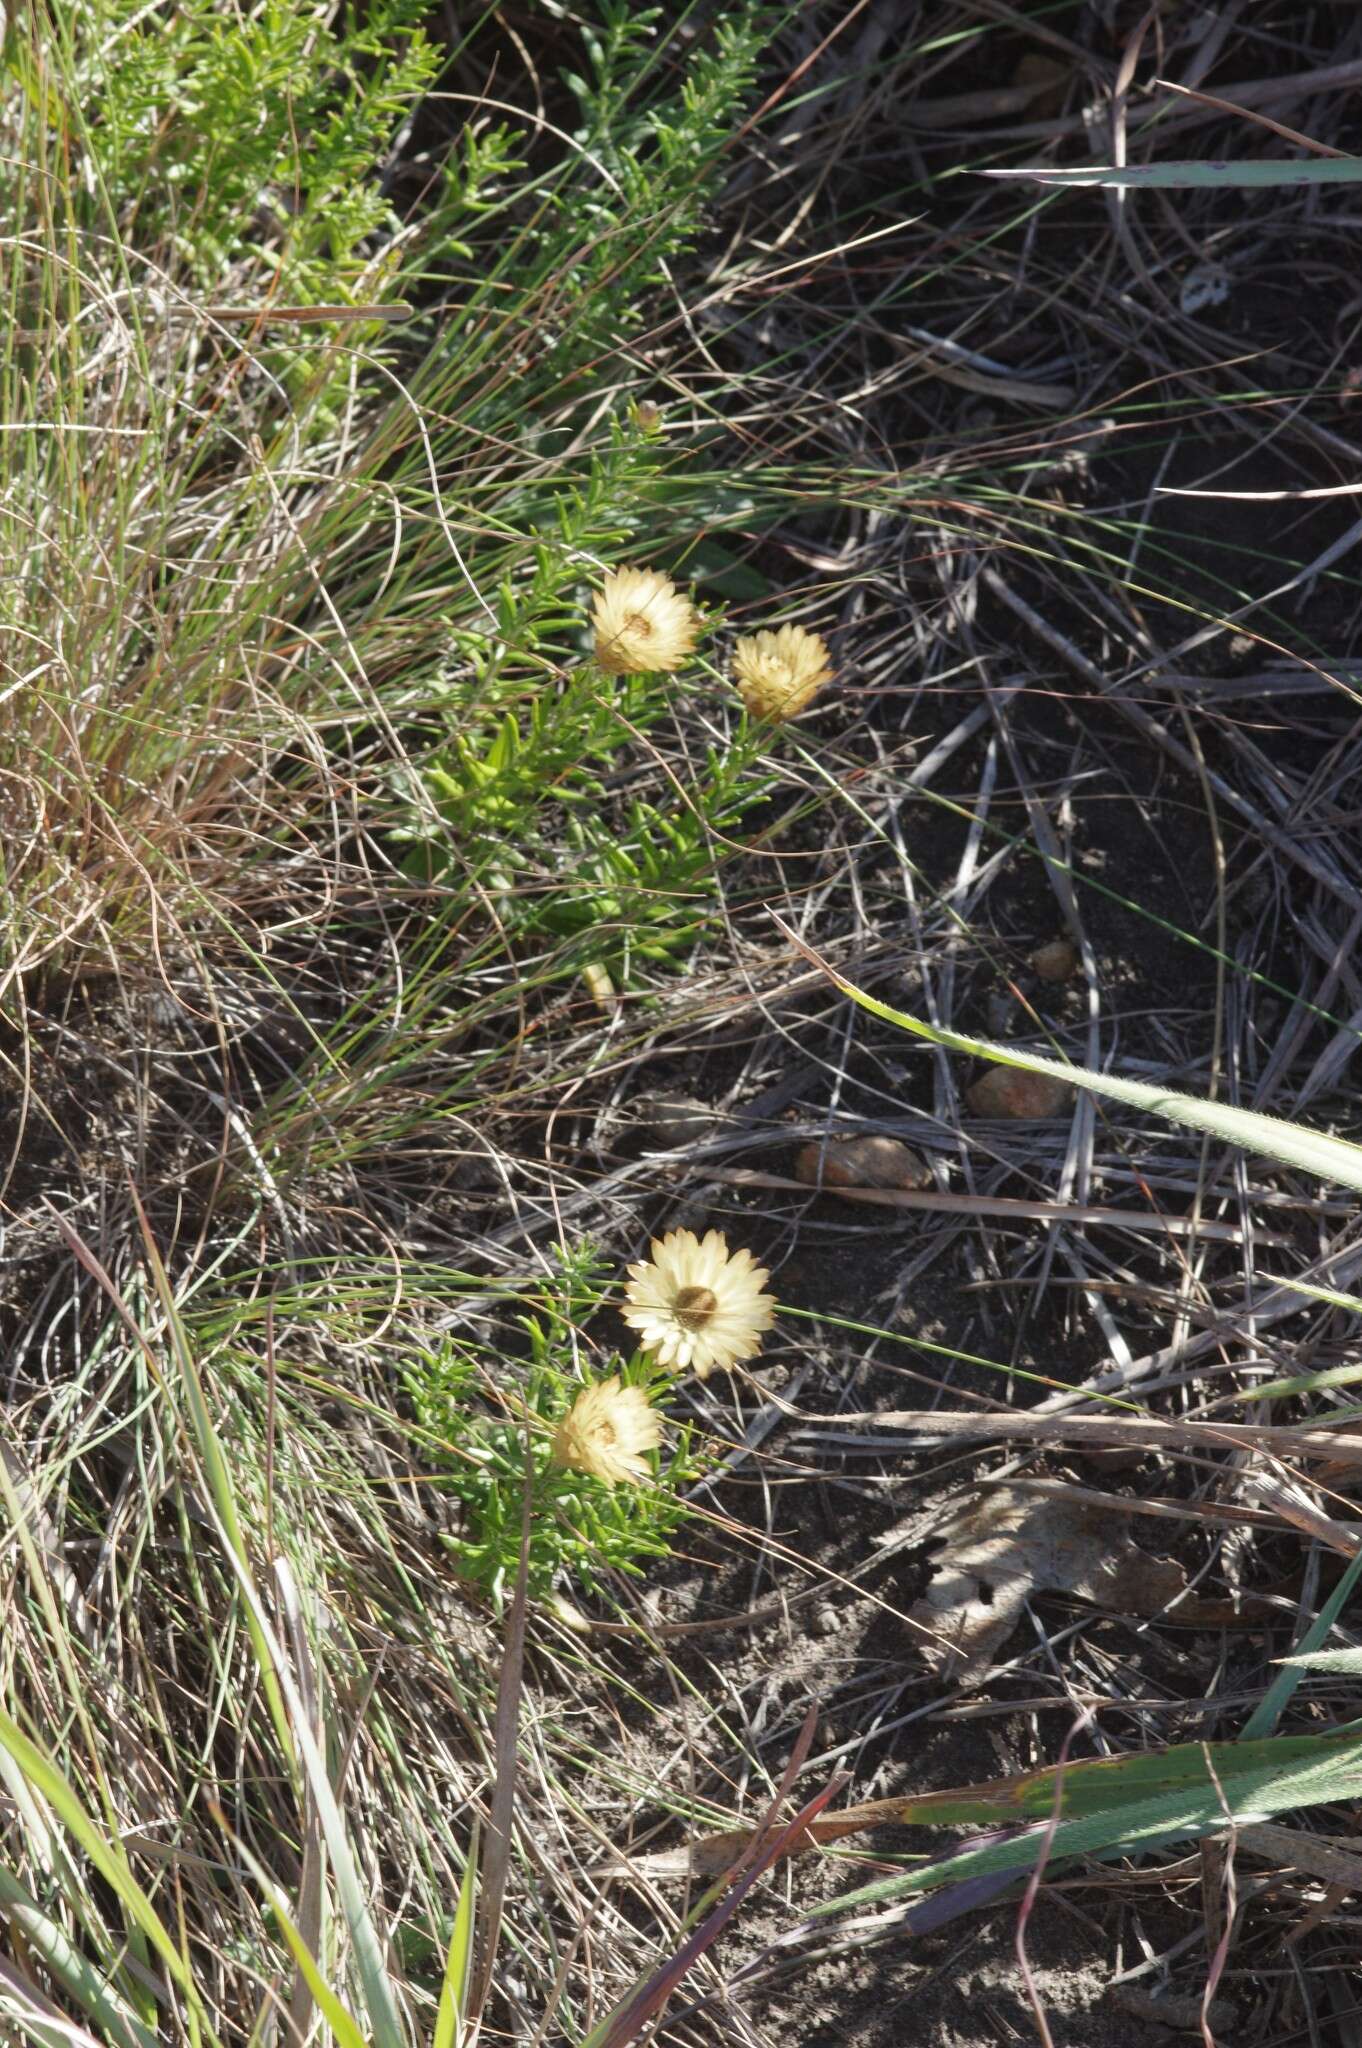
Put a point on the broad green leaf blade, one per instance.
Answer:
(1313, 1152)
(459, 1961)
(1099, 1785)
(1253, 1781)
(1171, 177)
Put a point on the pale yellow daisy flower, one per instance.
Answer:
(607, 1431)
(697, 1305)
(642, 623)
(779, 673)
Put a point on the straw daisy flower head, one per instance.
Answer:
(607, 1432)
(779, 673)
(642, 623)
(696, 1304)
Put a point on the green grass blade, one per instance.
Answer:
(385, 2026)
(342, 2022)
(1272, 1705)
(287, 1706)
(459, 1961)
(1313, 1152)
(88, 1987)
(40, 1771)
(1251, 1781)
(1177, 177)
(218, 1478)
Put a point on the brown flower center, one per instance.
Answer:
(605, 1432)
(693, 1306)
(636, 623)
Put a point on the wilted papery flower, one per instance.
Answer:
(694, 1304)
(779, 673)
(642, 623)
(606, 1432)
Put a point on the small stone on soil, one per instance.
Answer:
(1056, 960)
(870, 1162)
(671, 1120)
(1012, 1092)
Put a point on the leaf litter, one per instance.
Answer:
(1010, 1544)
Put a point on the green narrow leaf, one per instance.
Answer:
(1328, 1376)
(48, 1779)
(385, 2026)
(300, 1745)
(338, 2017)
(1272, 1705)
(219, 1481)
(342, 2022)
(1249, 175)
(1313, 1152)
(459, 1962)
(88, 1987)
(1297, 1772)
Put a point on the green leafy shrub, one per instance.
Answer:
(244, 136)
(485, 1426)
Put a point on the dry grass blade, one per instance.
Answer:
(495, 1870)
(750, 1855)
(1282, 1441)
(1004, 1207)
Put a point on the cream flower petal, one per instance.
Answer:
(642, 624)
(607, 1432)
(778, 674)
(696, 1304)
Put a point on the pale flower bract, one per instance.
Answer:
(695, 1305)
(607, 1432)
(779, 673)
(642, 623)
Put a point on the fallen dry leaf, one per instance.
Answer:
(869, 1162)
(1012, 1543)
(1011, 1091)
(1183, 2015)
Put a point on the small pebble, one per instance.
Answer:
(1056, 960)
(1001, 1013)
(671, 1120)
(869, 1162)
(1012, 1092)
